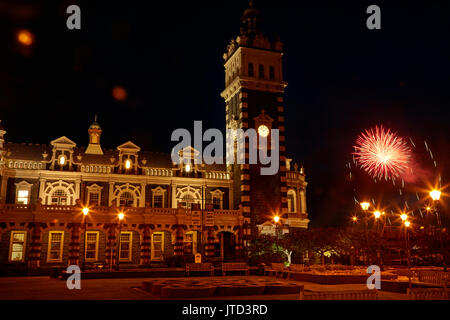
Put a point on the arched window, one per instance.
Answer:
(126, 199)
(158, 197)
(272, 73)
(250, 70)
(59, 197)
(292, 203)
(261, 71)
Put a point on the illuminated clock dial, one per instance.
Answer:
(263, 131)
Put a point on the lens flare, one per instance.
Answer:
(382, 154)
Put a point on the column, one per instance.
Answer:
(42, 182)
(174, 195)
(111, 193)
(35, 247)
(238, 244)
(74, 251)
(3, 189)
(77, 190)
(178, 249)
(142, 200)
(145, 246)
(110, 253)
(209, 249)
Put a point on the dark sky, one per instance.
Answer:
(343, 78)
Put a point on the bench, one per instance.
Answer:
(295, 268)
(199, 267)
(438, 278)
(428, 294)
(235, 266)
(340, 295)
(275, 268)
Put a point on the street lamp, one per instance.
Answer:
(85, 213)
(404, 217)
(120, 216)
(365, 206)
(436, 195)
(276, 219)
(407, 225)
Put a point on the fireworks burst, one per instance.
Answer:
(382, 154)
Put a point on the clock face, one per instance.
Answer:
(263, 131)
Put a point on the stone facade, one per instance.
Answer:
(169, 209)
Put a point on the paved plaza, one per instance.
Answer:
(46, 288)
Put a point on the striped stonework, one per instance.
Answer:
(178, 249)
(74, 250)
(35, 251)
(145, 246)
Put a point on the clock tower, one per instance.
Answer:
(254, 90)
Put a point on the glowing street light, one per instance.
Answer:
(276, 219)
(365, 205)
(377, 214)
(404, 217)
(407, 224)
(355, 219)
(85, 211)
(435, 195)
(120, 215)
(25, 37)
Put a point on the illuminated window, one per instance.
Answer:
(22, 197)
(59, 197)
(272, 73)
(126, 199)
(128, 164)
(62, 160)
(261, 71)
(157, 245)
(91, 245)
(17, 246)
(23, 191)
(55, 246)
(250, 70)
(125, 246)
(190, 242)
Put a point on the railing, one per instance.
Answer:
(226, 212)
(11, 208)
(294, 175)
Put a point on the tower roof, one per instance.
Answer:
(251, 21)
(95, 125)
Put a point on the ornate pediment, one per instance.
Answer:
(188, 152)
(129, 147)
(63, 143)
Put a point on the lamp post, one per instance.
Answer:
(276, 219)
(435, 196)
(365, 206)
(85, 213)
(120, 216)
(407, 225)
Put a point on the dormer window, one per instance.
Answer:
(23, 192)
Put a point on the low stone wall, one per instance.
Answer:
(334, 278)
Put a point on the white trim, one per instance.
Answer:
(158, 191)
(23, 186)
(96, 245)
(153, 248)
(60, 249)
(11, 245)
(130, 246)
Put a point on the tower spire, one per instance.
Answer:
(95, 132)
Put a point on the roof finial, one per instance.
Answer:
(95, 120)
(250, 3)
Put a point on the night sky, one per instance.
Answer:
(343, 78)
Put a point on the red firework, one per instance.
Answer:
(382, 154)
